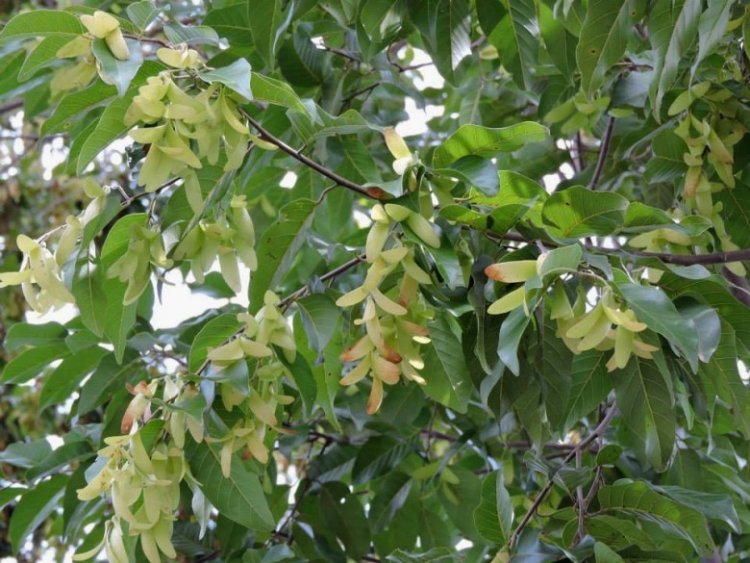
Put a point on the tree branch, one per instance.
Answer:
(598, 431)
(603, 152)
(741, 255)
(371, 193)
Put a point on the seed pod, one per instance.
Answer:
(423, 229)
(100, 24)
(508, 302)
(512, 272)
(117, 45)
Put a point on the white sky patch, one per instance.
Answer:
(289, 180)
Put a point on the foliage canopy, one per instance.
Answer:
(517, 335)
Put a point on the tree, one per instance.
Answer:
(517, 335)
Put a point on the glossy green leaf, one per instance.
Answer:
(31, 362)
(66, 377)
(277, 246)
(646, 401)
(494, 515)
(652, 306)
(578, 212)
(235, 77)
(635, 497)
(37, 23)
(114, 71)
(239, 497)
(35, 507)
(214, 333)
(484, 141)
(25, 334)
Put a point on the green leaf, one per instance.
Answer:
(232, 23)
(304, 379)
(277, 247)
(604, 38)
(35, 506)
(578, 212)
(511, 332)
(635, 498)
(452, 29)
(266, 27)
(38, 23)
(266, 89)
(645, 399)
(66, 378)
(214, 333)
(9, 494)
(76, 103)
(523, 30)
(561, 261)
(142, 13)
(720, 378)
(389, 499)
(191, 34)
(652, 306)
(714, 506)
(590, 385)
(445, 27)
(344, 516)
(485, 141)
(44, 53)
(605, 554)
(114, 71)
(445, 368)
(378, 456)
(118, 318)
(25, 334)
(558, 41)
(236, 77)
(301, 62)
(320, 317)
(712, 28)
(494, 515)
(239, 497)
(108, 377)
(26, 454)
(31, 362)
(675, 27)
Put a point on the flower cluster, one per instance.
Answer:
(145, 492)
(134, 267)
(394, 325)
(257, 403)
(40, 276)
(230, 239)
(181, 130)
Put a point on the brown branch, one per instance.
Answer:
(603, 152)
(340, 52)
(319, 168)
(302, 291)
(11, 106)
(598, 431)
(741, 255)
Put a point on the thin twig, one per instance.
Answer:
(603, 152)
(740, 255)
(581, 504)
(11, 106)
(302, 291)
(319, 168)
(598, 431)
